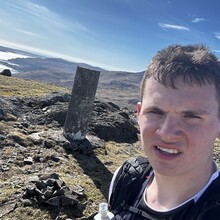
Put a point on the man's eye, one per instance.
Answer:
(155, 111)
(192, 116)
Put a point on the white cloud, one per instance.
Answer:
(42, 17)
(30, 33)
(173, 26)
(197, 20)
(217, 35)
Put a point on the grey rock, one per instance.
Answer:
(69, 200)
(6, 72)
(7, 207)
(41, 185)
(4, 167)
(54, 201)
(28, 160)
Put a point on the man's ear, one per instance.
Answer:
(138, 108)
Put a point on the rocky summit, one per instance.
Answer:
(43, 172)
(108, 121)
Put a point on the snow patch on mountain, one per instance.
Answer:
(5, 58)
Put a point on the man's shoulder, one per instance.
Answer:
(131, 175)
(208, 205)
(133, 169)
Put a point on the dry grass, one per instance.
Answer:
(27, 213)
(12, 86)
(76, 170)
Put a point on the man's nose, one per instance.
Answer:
(170, 128)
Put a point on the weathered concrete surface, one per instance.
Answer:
(81, 103)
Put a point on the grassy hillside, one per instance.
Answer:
(12, 86)
(83, 170)
(79, 169)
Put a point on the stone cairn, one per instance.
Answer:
(51, 190)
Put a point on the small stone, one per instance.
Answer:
(50, 175)
(41, 184)
(55, 201)
(30, 192)
(39, 193)
(33, 179)
(27, 202)
(20, 147)
(59, 183)
(50, 182)
(4, 167)
(58, 192)
(67, 200)
(28, 160)
(2, 137)
(81, 206)
(6, 208)
(48, 193)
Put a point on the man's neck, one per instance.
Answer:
(165, 192)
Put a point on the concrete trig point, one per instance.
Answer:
(81, 103)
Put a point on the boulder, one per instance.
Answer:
(6, 72)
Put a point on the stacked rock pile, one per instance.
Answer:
(54, 192)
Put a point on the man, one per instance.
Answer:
(179, 120)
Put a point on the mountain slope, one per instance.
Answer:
(116, 86)
(33, 147)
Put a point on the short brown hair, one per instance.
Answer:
(195, 64)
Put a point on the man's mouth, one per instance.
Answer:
(168, 151)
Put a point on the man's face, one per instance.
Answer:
(178, 127)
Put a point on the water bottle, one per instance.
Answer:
(103, 214)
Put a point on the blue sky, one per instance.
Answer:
(112, 34)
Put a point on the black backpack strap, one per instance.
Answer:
(140, 212)
(127, 183)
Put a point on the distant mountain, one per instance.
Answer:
(116, 86)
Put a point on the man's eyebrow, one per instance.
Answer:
(196, 112)
(154, 108)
